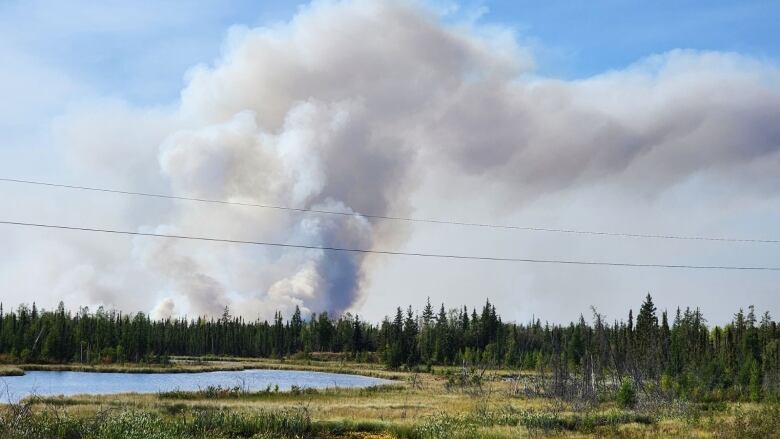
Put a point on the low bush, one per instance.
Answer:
(626, 395)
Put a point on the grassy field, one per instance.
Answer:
(420, 405)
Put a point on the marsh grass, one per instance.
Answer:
(6, 371)
(210, 392)
(182, 420)
(749, 422)
(20, 422)
(271, 393)
(418, 406)
(132, 368)
(212, 364)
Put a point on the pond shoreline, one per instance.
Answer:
(70, 383)
(129, 368)
(194, 365)
(10, 371)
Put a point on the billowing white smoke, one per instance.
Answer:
(327, 113)
(310, 161)
(350, 104)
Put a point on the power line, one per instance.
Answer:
(399, 218)
(391, 253)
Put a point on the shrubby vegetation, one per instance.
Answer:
(750, 424)
(450, 402)
(664, 356)
(181, 421)
(22, 423)
(626, 397)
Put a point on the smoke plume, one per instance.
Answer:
(351, 106)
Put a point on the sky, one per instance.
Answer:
(622, 116)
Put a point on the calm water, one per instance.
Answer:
(73, 383)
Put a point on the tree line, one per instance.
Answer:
(679, 351)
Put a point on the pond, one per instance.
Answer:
(15, 388)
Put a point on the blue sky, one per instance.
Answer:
(582, 38)
(141, 50)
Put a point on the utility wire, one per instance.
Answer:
(391, 253)
(398, 218)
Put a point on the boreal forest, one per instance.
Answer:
(677, 351)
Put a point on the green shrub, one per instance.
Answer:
(754, 386)
(626, 396)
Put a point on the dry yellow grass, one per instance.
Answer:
(6, 370)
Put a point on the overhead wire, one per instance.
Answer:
(396, 218)
(388, 252)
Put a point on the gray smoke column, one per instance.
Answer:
(352, 105)
(321, 157)
(325, 113)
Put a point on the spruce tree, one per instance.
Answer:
(647, 348)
